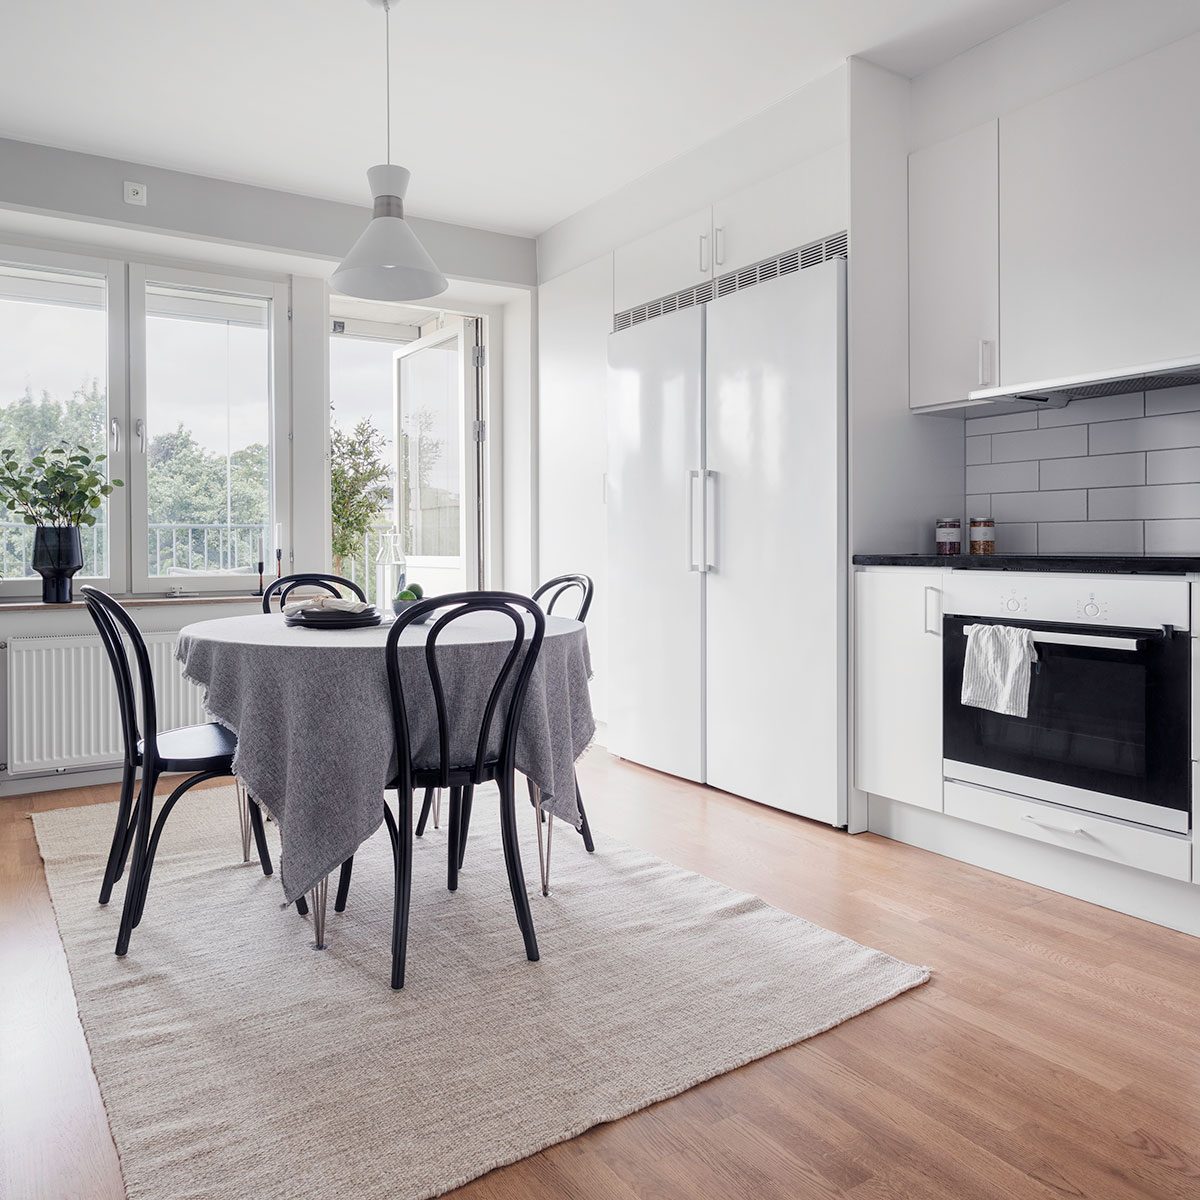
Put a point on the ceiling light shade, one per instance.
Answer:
(388, 261)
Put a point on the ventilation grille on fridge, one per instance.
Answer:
(822, 250)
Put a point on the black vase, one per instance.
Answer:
(57, 555)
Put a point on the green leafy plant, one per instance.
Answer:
(359, 487)
(61, 486)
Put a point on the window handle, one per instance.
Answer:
(139, 427)
(114, 433)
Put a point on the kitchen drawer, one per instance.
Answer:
(1146, 850)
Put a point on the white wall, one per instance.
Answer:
(811, 120)
(1068, 44)
(518, 442)
(574, 319)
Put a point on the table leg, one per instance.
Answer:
(244, 819)
(317, 898)
(543, 853)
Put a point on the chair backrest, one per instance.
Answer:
(286, 584)
(111, 620)
(463, 604)
(567, 583)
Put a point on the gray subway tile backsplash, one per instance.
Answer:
(1112, 475)
(1065, 441)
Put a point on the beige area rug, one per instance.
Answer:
(235, 1060)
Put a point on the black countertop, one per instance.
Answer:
(1103, 564)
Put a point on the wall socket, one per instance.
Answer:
(135, 193)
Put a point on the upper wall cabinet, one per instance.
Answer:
(953, 267)
(1100, 241)
(667, 260)
(799, 205)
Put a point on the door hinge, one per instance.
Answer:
(479, 356)
(479, 430)
(289, 314)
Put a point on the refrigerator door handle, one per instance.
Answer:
(690, 503)
(710, 520)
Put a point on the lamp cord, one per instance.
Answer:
(387, 46)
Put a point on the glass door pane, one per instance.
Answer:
(53, 388)
(206, 439)
(429, 444)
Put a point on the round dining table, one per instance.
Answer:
(312, 714)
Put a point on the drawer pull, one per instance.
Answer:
(1076, 830)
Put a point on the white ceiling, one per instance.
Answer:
(512, 114)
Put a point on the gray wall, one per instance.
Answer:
(1116, 475)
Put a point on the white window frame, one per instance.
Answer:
(113, 272)
(277, 293)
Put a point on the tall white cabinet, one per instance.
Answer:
(727, 541)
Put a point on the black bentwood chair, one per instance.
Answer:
(286, 584)
(200, 751)
(462, 778)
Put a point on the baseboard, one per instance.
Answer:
(1153, 898)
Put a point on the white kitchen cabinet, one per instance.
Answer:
(898, 684)
(953, 267)
(1100, 245)
(800, 205)
(668, 260)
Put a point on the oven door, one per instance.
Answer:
(1108, 729)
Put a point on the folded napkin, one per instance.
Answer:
(324, 604)
(996, 669)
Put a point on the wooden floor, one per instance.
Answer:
(1056, 1052)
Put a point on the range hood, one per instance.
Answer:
(1054, 393)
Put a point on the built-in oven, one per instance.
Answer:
(1108, 729)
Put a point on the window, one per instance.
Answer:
(207, 432)
(55, 338)
(173, 375)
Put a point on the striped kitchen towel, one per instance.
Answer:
(996, 670)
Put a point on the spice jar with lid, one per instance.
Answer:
(948, 535)
(983, 535)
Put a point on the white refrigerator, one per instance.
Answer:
(727, 543)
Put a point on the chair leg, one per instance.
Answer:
(120, 842)
(140, 842)
(426, 809)
(343, 892)
(464, 822)
(512, 863)
(401, 834)
(260, 836)
(452, 841)
(585, 829)
(540, 819)
(302, 906)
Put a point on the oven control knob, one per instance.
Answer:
(1091, 609)
(1013, 604)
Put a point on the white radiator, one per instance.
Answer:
(62, 701)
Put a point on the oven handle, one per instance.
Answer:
(1097, 641)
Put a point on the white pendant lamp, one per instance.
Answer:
(388, 261)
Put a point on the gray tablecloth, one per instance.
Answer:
(314, 725)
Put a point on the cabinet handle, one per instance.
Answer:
(692, 564)
(704, 252)
(114, 433)
(719, 244)
(710, 520)
(1076, 830)
(936, 631)
(986, 356)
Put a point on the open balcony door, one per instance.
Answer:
(439, 434)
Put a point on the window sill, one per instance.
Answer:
(21, 604)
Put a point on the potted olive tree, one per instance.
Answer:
(57, 491)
